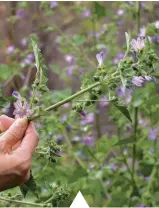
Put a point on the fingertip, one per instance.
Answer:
(5, 122)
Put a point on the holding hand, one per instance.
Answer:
(17, 145)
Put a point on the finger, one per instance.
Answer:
(13, 135)
(29, 142)
(5, 122)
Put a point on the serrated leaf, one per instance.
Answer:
(30, 185)
(40, 65)
(129, 140)
(122, 108)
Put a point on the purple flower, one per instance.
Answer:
(66, 105)
(120, 12)
(22, 108)
(147, 178)
(80, 70)
(124, 168)
(23, 42)
(102, 102)
(88, 119)
(120, 92)
(152, 135)
(86, 13)
(128, 98)
(120, 22)
(155, 38)
(20, 13)
(29, 58)
(69, 128)
(69, 58)
(113, 167)
(100, 58)
(70, 70)
(90, 33)
(63, 118)
(138, 81)
(138, 44)
(150, 78)
(118, 58)
(53, 4)
(88, 140)
(10, 49)
(97, 35)
(23, 77)
(157, 24)
(38, 125)
(142, 32)
(83, 113)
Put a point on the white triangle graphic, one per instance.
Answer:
(79, 202)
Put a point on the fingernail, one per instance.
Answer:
(22, 122)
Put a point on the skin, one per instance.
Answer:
(17, 145)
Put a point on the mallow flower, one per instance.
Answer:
(138, 44)
(152, 135)
(150, 78)
(138, 81)
(22, 108)
(157, 24)
(88, 140)
(53, 4)
(100, 58)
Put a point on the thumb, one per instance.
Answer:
(13, 135)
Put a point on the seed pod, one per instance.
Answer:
(36, 100)
(96, 78)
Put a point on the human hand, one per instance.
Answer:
(17, 145)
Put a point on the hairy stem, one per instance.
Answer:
(52, 107)
(69, 99)
(21, 202)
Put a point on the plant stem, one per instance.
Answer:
(135, 138)
(26, 83)
(49, 200)
(128, 168)
(69, 99)
(66, 100)
(21, 202)
(97, 119)
(138, 15)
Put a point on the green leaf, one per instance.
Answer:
(122, 108)
(99, 10)
(56, 69)
(6, 72)
(30, 185)
(40, 65)
(78, 39)
(4, 101)
(129, 140)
